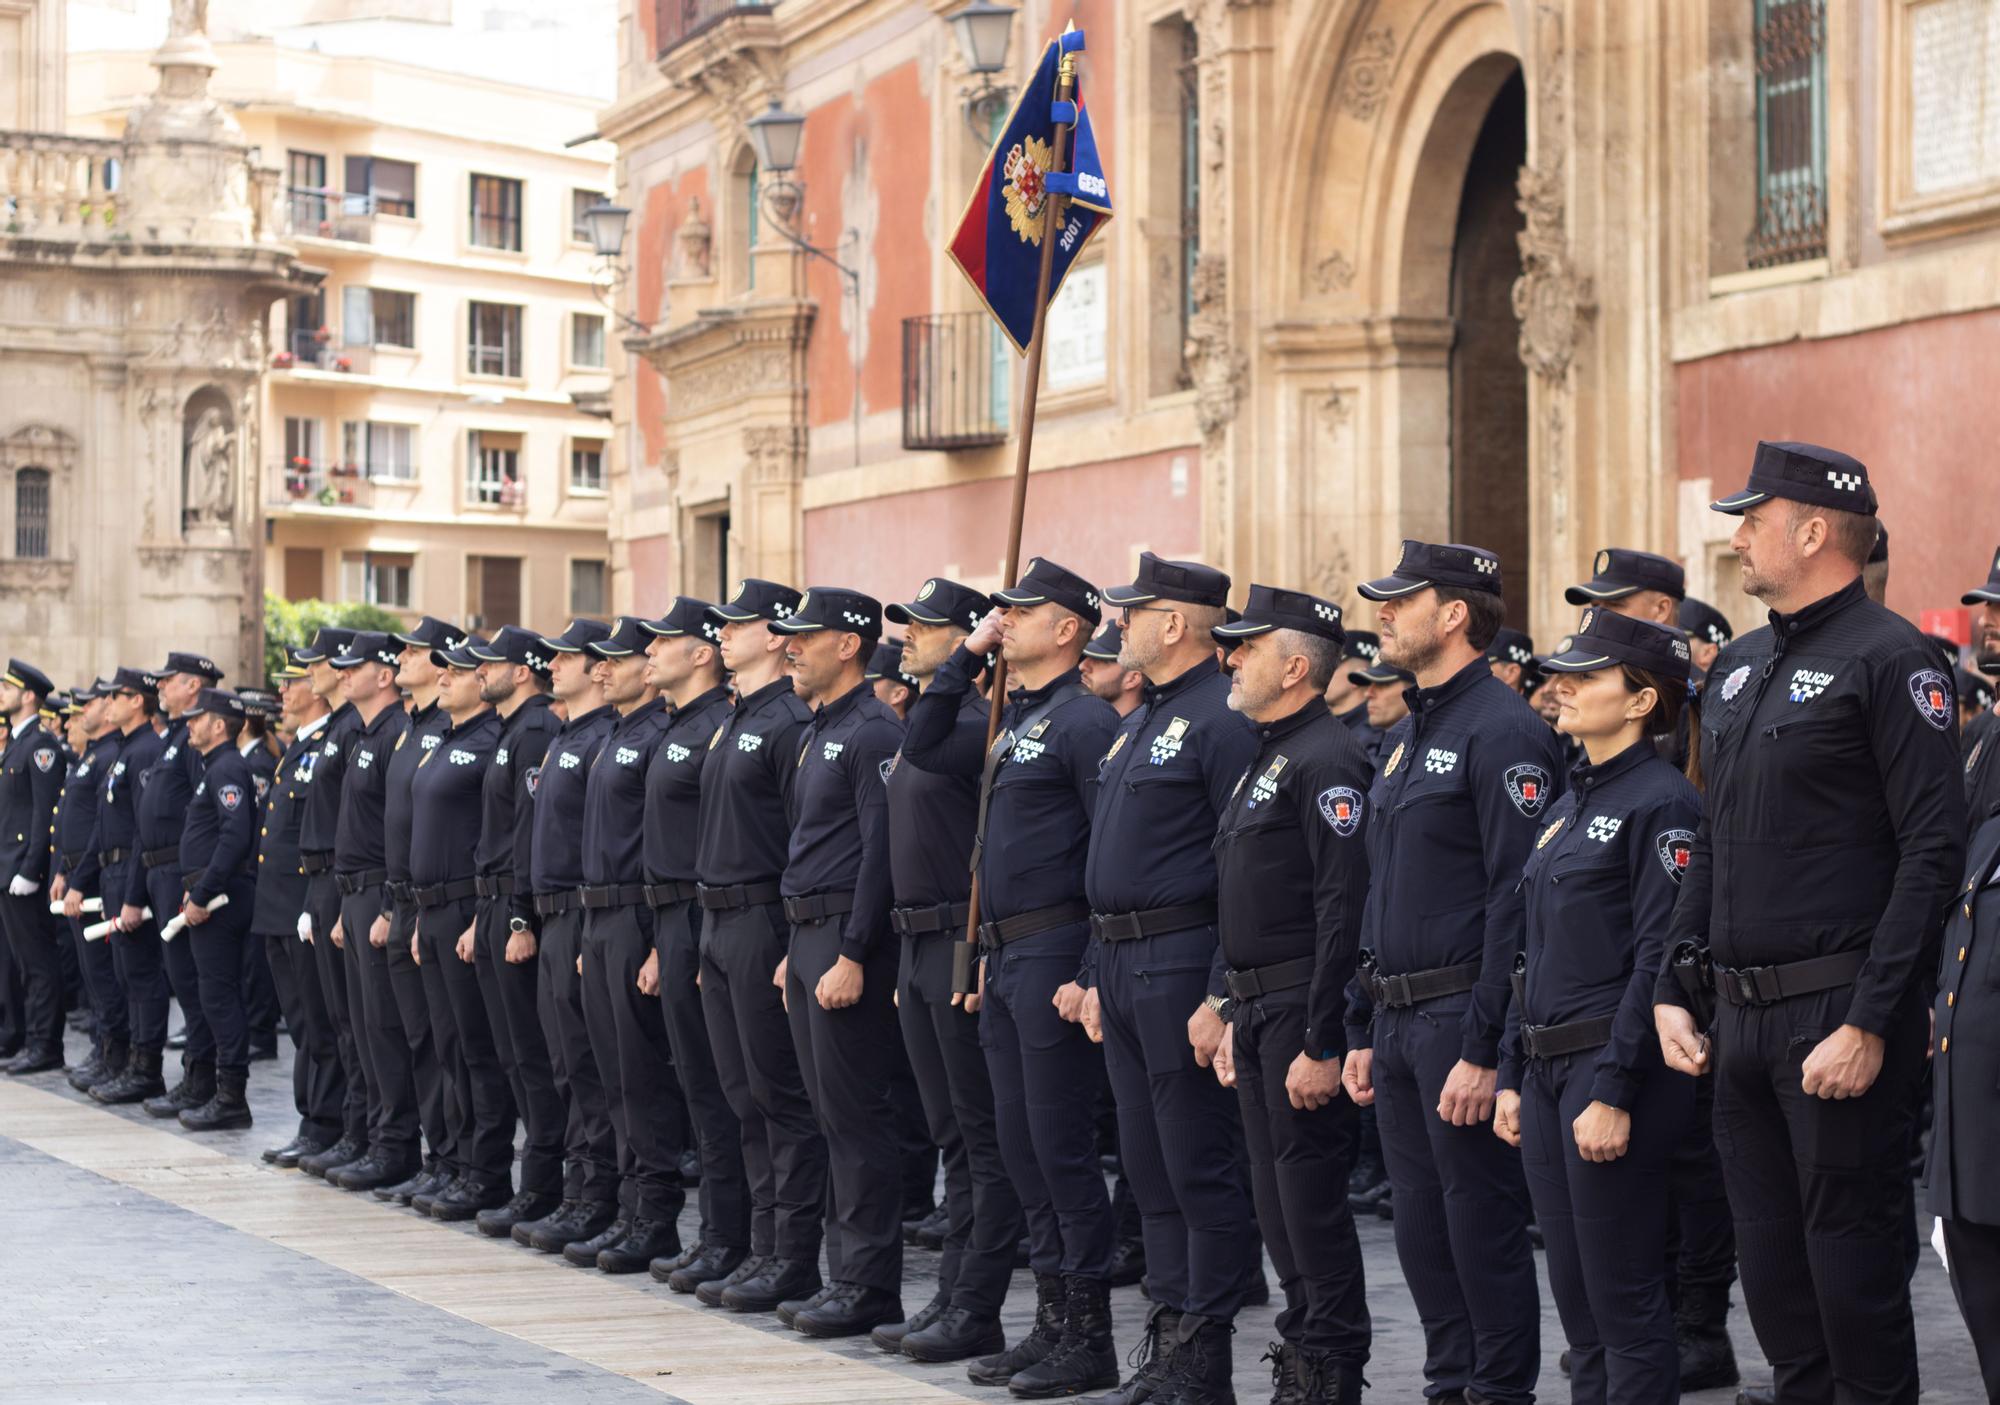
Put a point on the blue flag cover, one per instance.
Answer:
(998, 242)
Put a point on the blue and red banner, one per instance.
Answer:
(998, 242)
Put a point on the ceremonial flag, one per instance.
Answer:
(998, 242)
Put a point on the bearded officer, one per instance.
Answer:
(1833, 837)
(1982, 769)
(79, 875)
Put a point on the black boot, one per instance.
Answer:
(778, 1280)
(1040, 1341)
(343, 1152)
(1151, 1360)
(1757, 1395)
(687, 1272)
(381, 1166)
(117, 1062)
(889, 1336)
(1370, 1198)
(1324, 1381)
(88, 1072)
(196, 1087)
(528, 1205)
(590, 1220)
(957, 1334)
(429, 1176)
(1128, 1263)
(469, 1198)
(709, 1294)
(227, 1111)
(1286, 1387)
(1368, 1173)
(555, 1223)
(140, 1080)
(1701, 1327)
(646, 1240)
(1202, 1364)
(46, 1059)
(425, 1199)
(584, 1249)
(1084, 1359)
(848, 1311)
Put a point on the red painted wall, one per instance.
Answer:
(652, 560)
(659, 216)
(1914, 402)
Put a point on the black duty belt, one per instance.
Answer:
(1767, 985)
(817, 907)
(994, 935)
(1129, 926)
(1415, 987)
(921, 921)
(549, 904)
(318, 861)
(188, 880)
(737, 895)
(438, 894)
(499, 886)
(399, 892)
(361, 880)
(108, 857)
(1553, 1041)
(667, 894)
(72, 860)
(153, 858)
(612, 895)
(1269, 980)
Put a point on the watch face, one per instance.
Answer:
(517, 924)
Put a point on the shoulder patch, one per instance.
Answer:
(1675, 847)
(533, 777)
(231, 796)
(1930, 690)
(1528, 787)
(1340, 807)
(45, 758)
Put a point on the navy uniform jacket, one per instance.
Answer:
(673, 787)
(559, 801)
(445, 798)
(263, 767)
(165, 792)
(221, 830)
(281, 886)
(1291, 861)
(746, 788)
(1038, 816)
(76, 815)
(1982, 771)
(1963, 1171)
(614, 802)
(507, 802)
(840, 809)
(118, 814)
(427, 726)
(1595, 902)
(1464, 783)
(31, 781)
(932, 817)
(1370, 736)
(359, 843)
(321, 821)
(1836, 813)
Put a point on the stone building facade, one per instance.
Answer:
(1532, 273)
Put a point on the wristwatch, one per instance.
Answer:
(1219, 1004)
(517, 924)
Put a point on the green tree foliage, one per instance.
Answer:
(292, 623)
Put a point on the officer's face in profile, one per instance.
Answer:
(1701, 654)
(1507, 671)
(296, 699)
(818, 659)
(178, 691)
(1106, 678)
(926, 646)
(1412, 630)
(1986, 637)
(1597, 705)
(1769, 544)
(892, 694)
(1031, 633)
(205, 732)
(92, 716)
(414, 668)
(1341, 690)
(569, 674)
(1385, 704)
(1144, 641)
(1260, 667)
(324, 679)
(1546, 704)
(624, 679)
(745, 644)
(496, 681)
(76, 733)
(1654, 605)
(458, 689)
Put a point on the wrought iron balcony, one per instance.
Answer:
(302, 483)
(955, 384)
(677, 21)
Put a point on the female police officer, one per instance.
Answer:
(1584, 1092)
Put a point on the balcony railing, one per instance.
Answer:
(677, 21)
(304, 349)
(954, 385)
(59, 187)
(322, 212)
(307, 485)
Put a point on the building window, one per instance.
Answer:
(306, 192)
(378, 450)
(586, 340)
(740, 268)
(588, 582)
(1789, 44)
(493, 470)
(377, 317)
(1189, 86)
(376, 186)
(586, 466)
(388, 581)
(496, 213)
(31, 513)
(494, 343)
(579, 202)
(302, 445)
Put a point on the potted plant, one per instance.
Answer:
(296, 485)
(347, 495)
(283, 360)
(327, 496)
(343, 363)
(510, 492)
(323, 335)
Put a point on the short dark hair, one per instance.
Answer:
(1485, 612)
(1852, 534)
(1321, 654)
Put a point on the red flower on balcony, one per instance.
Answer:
(302, 463)
(283, 360)
(343, 363)
(323, 335)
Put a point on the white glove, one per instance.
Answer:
(305, 926)
(21, 886)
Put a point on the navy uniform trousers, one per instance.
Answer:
(1605, 1225)
(1461, 1213)
(588, 1142)
(35, 938)
(142, 969)
(330, 971)
(1044, 1073)
(477, 1101)
(319, 1085)
(260, 998)
(1179, 1135)
(628, 1037)
(435, 1095)
(510, 992)
(164, 890)
(215, 949)
(724, 1196)
(385, 1050)
(784, 1155)
(111, 1022)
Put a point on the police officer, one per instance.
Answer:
(1982, 771)
(1583, 1093)
(1157, 974)
(260, 752)
(135, 947)
(1124, 688)
(1511, 656)
(1834, 833)
(513, 677)
(1346, 697)
(931, 821)
(1637, 584)
(894, 688)
(367, 667)
(1466, 780)
(445, 796)
(31, 778)
(78, 876)
(745, 834)
(628, 1031)
(684, 662)
(1707, 629)
(216, 848)
(1292, 876)
(318, 1082)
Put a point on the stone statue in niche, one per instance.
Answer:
(208, 470)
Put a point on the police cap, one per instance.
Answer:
(1045, 582)
(26, 675)
(757, 600)
(1608, 638)
(327, 641)
(132, 680)
(887, 662)
(1271, 607)
(627, 638)
(464, 654)
(687, 617)
(942, 601)
(1425, 564)
(1807, 473)
(1511, 646)
(196, 664)
(1617, 573)
(1703, 622)
(1106, 645)
(432, 633)
(1379, 672)
(579, 633)
(367, 646)
(1989, 593)
(216, 702)
(514, 645)
(834, 607)
(1185, 582)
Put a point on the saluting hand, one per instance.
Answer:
(1684, 1050)
(1467, 1098)
(1844, 1064)
(840, 987)
(649, 975)
(1357, 1075)
(1205, 1030)
(983, 640)
(1507, 1116)
(1310, 1083)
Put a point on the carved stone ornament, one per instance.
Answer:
(1333, 274)
(777, 452)
(1219, 370)
(39, 446)
(1364, 85)
(694, 242)
(1551, 299)
(728, 378)
(208, 465)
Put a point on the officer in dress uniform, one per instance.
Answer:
(260, 753)
(135, 947)
(1038, 788)
(79, 872)
(31, 778)
(588, 1142)
(318, 1082)
(931, 821)
(1583, 1093)
(445, 795)
(367, 668)
(1292, 876)
(628, 1032)
(1467, 778)
(1982, 770)
(513, 676)
(744, 825)
(684, 662)
(1834, 832)
(1707, 629)
(216, 848)
(1157, 975)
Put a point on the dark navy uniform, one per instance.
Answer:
(318, 827)
(1594, 904)
(31, 780)
(82, 873)
(260, 992)
(141, 966)
(217, 845)
(1292, 875)
(165, 792)
(1461, 792)
(438, 1086)
(1982, 737)
(1834, 833)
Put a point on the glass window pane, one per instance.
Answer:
(31, 513)
(586, 340)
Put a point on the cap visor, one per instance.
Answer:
(1737, 504)
(1371, 676)
(729, 616)
(1390, 587)
(1019, 597)
(1598, 589)
(903, 614)
(660, 629)
(485, 655)
(795, 625)
(410, 641)
(1127, 595)
(1982, 595)
(1576, 661)
(603, 649)
(456, 658)
(1242, 629)
(1100, 656)
(558, 646)
(346, 663)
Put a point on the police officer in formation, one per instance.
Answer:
(685, 935)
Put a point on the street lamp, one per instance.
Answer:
(984, 31)
(605, 224)
(777, 134)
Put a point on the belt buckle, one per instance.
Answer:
(1396, 989)
(1746, 985)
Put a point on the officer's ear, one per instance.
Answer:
(1640, 705)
